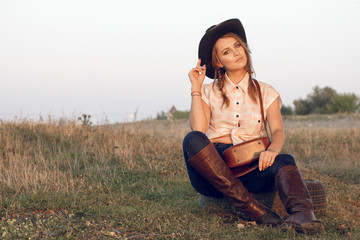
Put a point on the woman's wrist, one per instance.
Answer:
(196, 87)
(273, 150)
(196, 93)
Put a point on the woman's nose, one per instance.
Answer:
(236, 52)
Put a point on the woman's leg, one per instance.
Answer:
(285, 176)
(297, 201)
(209, 164)
(193, 143)
(264, 181)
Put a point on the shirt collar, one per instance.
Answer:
(243, 84)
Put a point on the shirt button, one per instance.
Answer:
(237, 103)
(258, 121)
(237, 116)
(237, 87)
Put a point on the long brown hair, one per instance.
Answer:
(220, 78)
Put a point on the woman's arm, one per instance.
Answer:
(199, 115)
(276, 126)
(274, 119)
(199, 111)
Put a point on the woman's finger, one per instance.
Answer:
(199, 70)
(204, 69)
(266, 160)
(271, 160)
(198, 63)
(261, 162)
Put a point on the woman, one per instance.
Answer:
(226, 113)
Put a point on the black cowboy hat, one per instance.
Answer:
(212, 34)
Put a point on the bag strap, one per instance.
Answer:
(261, 105)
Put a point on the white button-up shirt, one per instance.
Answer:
(242, 118)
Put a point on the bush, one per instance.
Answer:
(286, 110)
(319, 99)
(181, 114)
(316, 102)
(343, 103)
(161, 116)
(302, 107)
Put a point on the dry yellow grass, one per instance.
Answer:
(45, 156)
(63, 158)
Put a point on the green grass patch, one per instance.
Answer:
(63, 181)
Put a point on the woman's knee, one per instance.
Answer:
(285, 159)
(194, 142)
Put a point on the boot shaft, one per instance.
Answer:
(212, 167)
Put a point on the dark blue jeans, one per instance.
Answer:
(255, 181)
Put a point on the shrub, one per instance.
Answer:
(302, 107)
(161, 116)
(181, 114)
(343, 103)
(286, 110)
(316, 102)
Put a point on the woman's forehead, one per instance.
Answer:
(225, 42)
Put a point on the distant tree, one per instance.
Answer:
(181, 114)
(302, 107)
(161, 116)
(286, 110)
(173, 114)
(344, 103)
(316, 102)
(320, 98)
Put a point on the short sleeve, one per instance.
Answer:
(270, 95)
(205, 93)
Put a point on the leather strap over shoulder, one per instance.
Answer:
(261, 105)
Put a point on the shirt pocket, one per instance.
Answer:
(254, 124)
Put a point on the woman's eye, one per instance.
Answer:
(237, 45)
(226, 52)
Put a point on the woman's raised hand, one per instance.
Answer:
(197, 76)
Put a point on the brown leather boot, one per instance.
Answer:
(212, 167)
(297, 201)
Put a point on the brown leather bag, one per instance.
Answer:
(244, 157)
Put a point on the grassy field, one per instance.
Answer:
(61, 180)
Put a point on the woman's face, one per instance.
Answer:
(231, 54)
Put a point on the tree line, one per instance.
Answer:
(176, 115)
(320, 101)
(324, 101)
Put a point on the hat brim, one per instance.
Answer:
(208, 41)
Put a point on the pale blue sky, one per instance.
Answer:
(108, 58)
